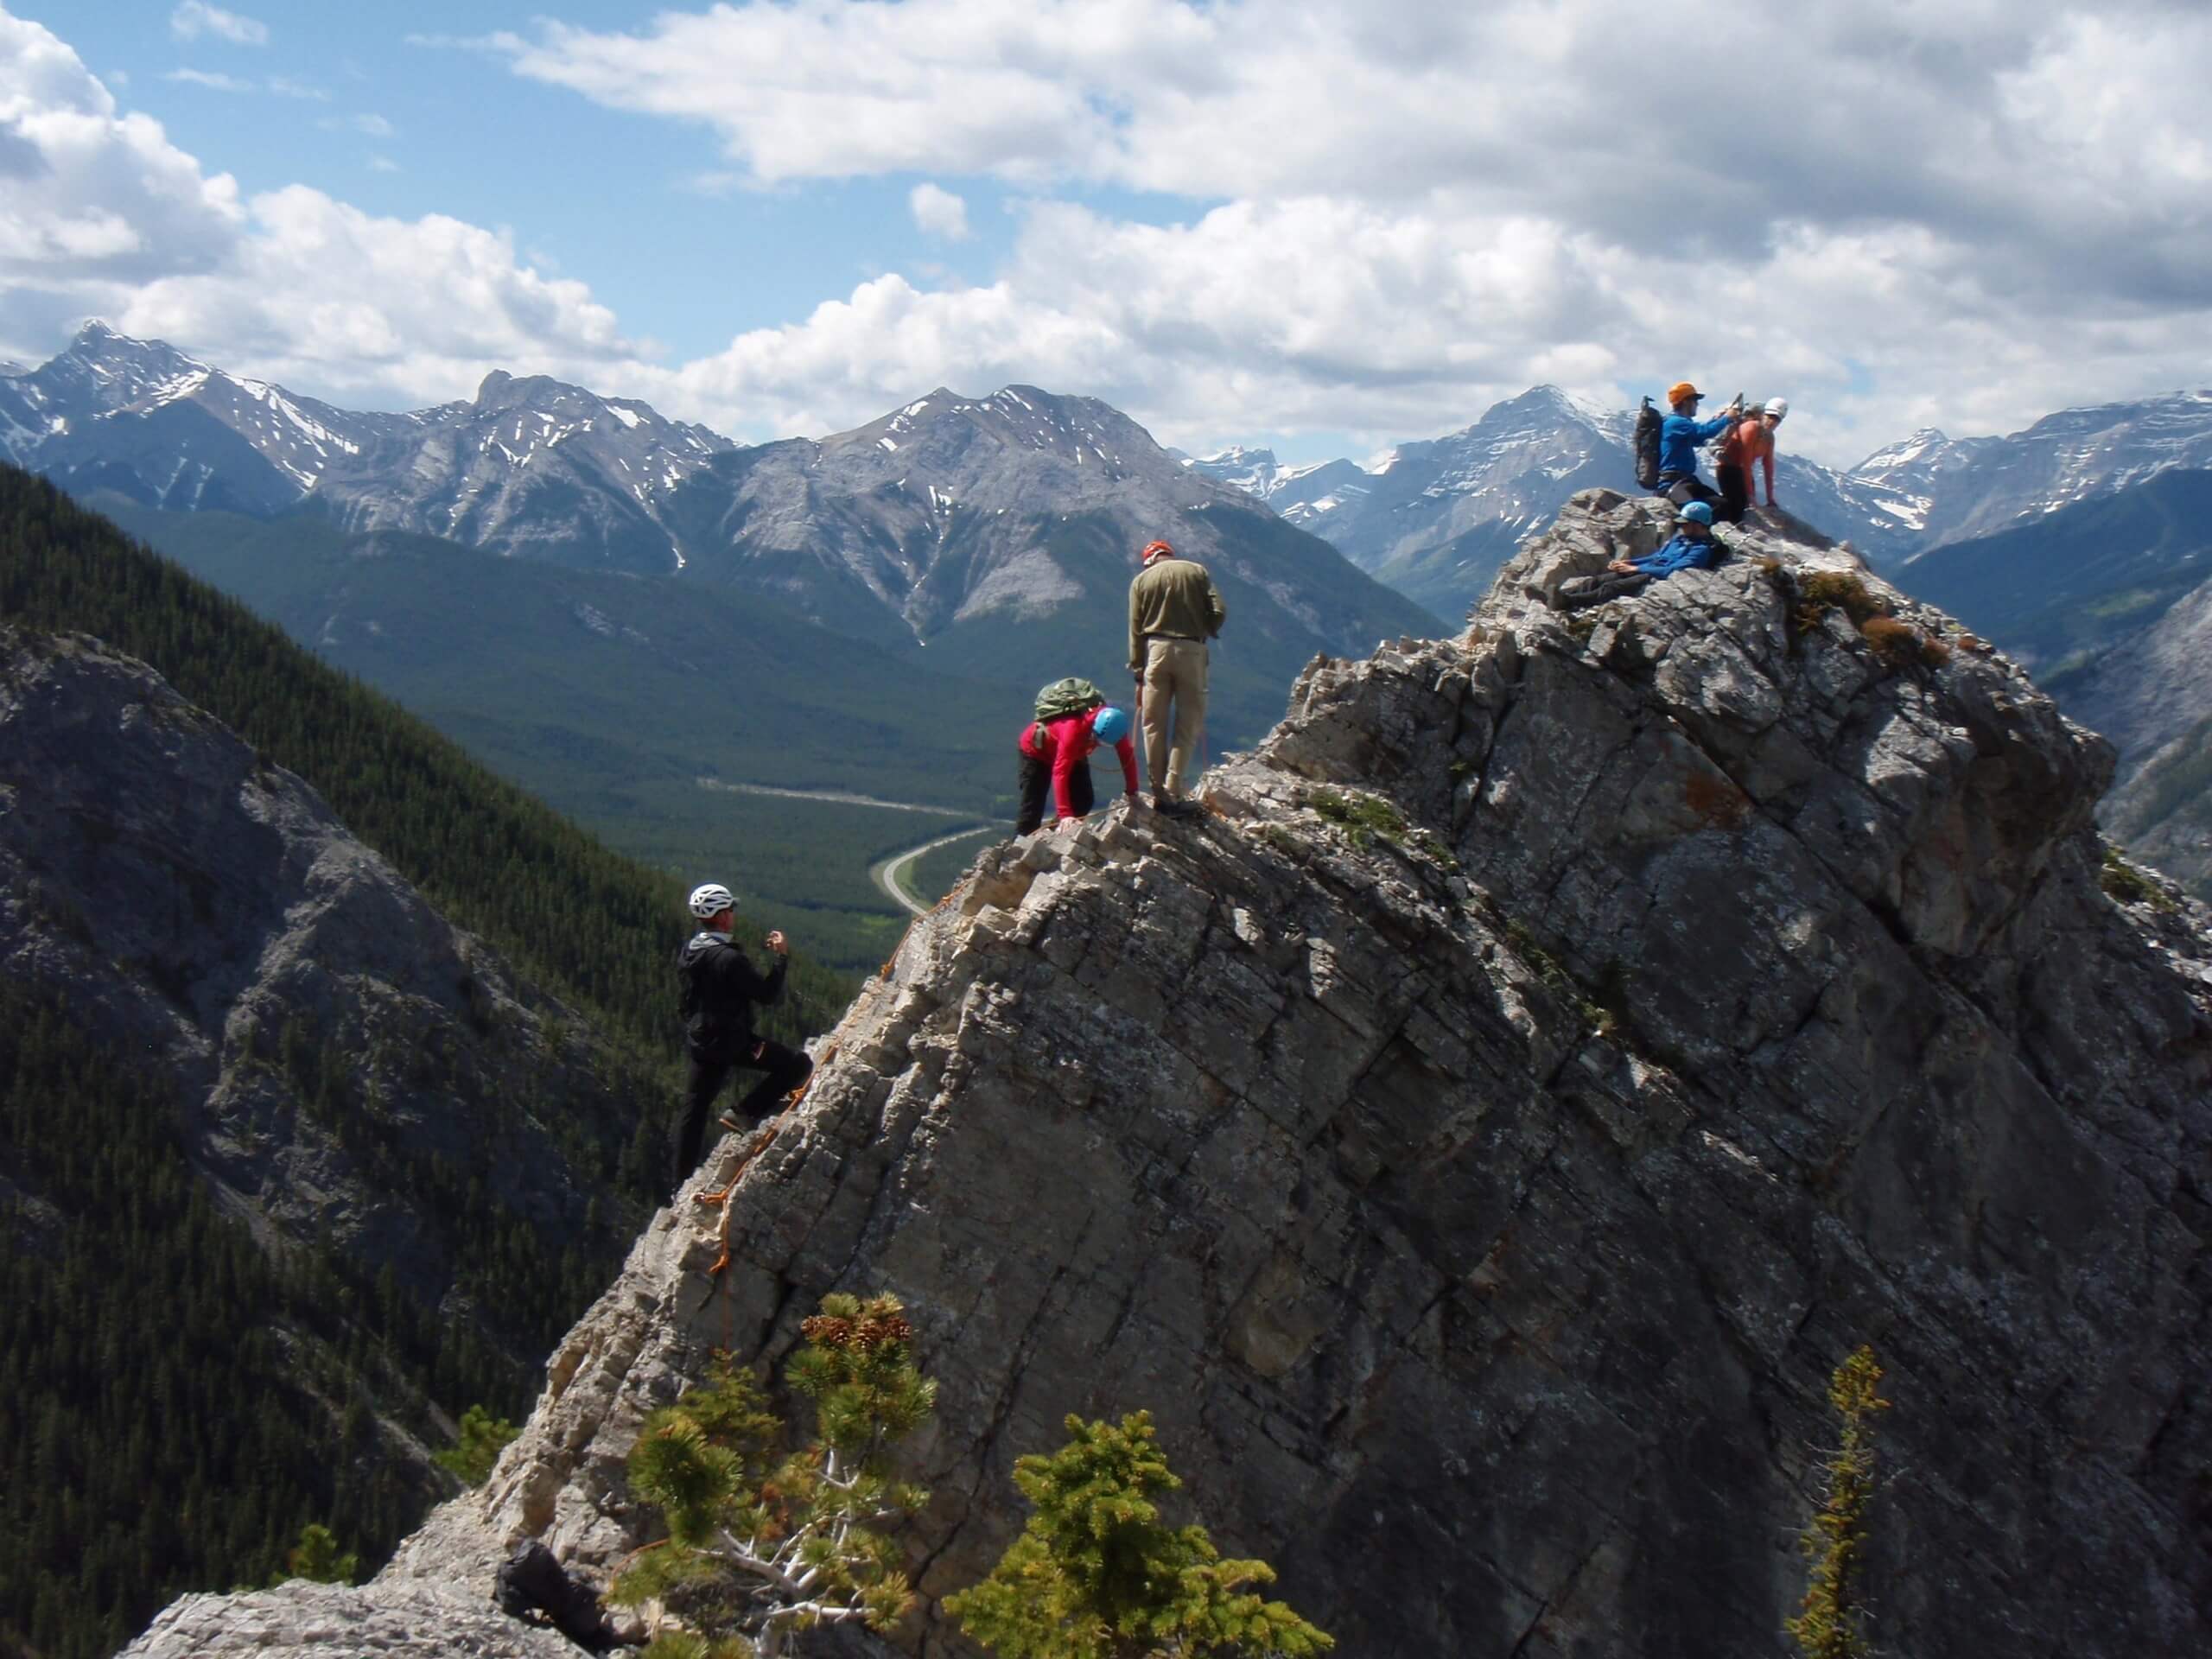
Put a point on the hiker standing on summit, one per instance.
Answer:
(720, 989)
(1174, 608)
(1681, 434)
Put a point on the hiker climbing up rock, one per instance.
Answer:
(1693, 547)
(1749, 442)
(1681, 435)
(720, 989)
(1073, 718)
(1174, 608)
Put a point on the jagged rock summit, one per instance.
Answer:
(1478, 1137)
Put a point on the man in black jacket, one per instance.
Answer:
(720, 991)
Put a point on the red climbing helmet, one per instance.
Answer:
(1156, 550)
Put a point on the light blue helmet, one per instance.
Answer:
(1697, 512)
(1112, 724)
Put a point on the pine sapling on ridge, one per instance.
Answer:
(1097, 1574)
(767, 1545)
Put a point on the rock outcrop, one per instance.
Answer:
(1477, 1140)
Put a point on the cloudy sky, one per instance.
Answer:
(1323, 226)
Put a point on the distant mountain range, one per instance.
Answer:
(999, 532)
(1436, 519)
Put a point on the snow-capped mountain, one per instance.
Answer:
(530, 466)
(2074, 456)
(999, 532)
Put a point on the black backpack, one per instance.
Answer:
(1646, 443)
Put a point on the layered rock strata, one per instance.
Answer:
(1477, 1140)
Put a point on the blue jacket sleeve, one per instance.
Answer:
(1680, 554)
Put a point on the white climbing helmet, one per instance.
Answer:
(1777, 407)
(710, 900)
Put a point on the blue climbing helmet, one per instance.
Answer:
(1112, 724)
(1697, 512)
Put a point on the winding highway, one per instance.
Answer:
(887, 872)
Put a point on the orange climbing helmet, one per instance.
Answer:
(1680, 389)
(1156, 550)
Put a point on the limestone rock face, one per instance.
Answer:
(205, 911)
(299, 1618)
(1478, 1137)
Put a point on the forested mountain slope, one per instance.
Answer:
(292, 1169)
(634, 705)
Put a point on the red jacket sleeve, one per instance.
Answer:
(1067, 754)
(1127, 749)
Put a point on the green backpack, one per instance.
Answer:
(1065, 697)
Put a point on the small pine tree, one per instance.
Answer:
(483, 1437)
(316, 1557)
(1097, 1576)
(1829, 1625)
(799, 1544)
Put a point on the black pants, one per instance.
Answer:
(785, 1068)
(1033, 781)
(1682, 488)
(1577, 592)
(1735, 493)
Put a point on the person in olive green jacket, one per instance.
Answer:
(1174, 608)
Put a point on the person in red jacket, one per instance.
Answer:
(1058, 751)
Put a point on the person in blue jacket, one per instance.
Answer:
(1691, 548)
(1681, 435)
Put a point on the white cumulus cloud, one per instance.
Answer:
(1371, 218)
(938, 211)
(194, 18)
(100, 214)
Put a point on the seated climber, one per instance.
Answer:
(1057, 745)
(1681, 434)
(1693, 547)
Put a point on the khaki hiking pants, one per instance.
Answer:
(1174, 673)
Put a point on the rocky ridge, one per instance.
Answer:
(1477, 1138)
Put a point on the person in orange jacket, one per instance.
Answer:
(1749, 442)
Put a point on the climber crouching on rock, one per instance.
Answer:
(720, 989)
(1056, 750)
(1749, 444)
(1693, 547)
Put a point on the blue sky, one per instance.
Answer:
(608, 195)
(1328, 225)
